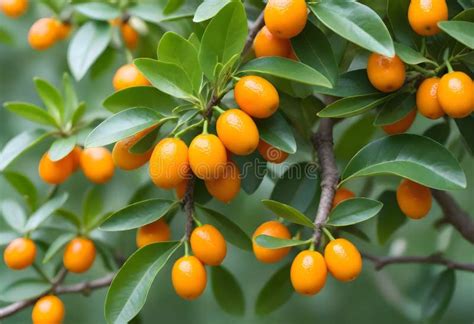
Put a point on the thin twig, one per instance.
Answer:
(188, 205)
(87, 286)
(257, 25)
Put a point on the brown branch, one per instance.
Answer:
(188, 205)
(455, 215)
(257, 25)
(381, 262)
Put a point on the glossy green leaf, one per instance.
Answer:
(271, 242)
(286, 69)
(439, 297)
(23, 186)
(208, 9)
(395, 109)
(93, 206)
(57, 245)
(353, 211)
(409, 55)
(275, 131)
(276, 291)
(287, 212)
(24, 289)
(98, 10)
(350, 84)
(439, 132)
(231, 231)
(87, 44)
(390, 217)
(51, 98)
(227, 291)
(410, 156)
(138, 214)
(31, 112)
(356, 23)
(356, 136)
(352, 106)
(146, 142)
(255, 165)
(121, 125)
(62, 147)
(14, 215)
(129, 289)
(46, 210)
(460, 31)
(466, 128)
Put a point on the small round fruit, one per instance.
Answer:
(341, 195)
(79, 255)
(43, 34)
(427, 99)
(63, 29)
(343, 260)
(227, 186)
(308, 272)
(13, 8)
(207, 156)
(275, 229)
(424, 15)
(238, 132)
(285, 18)
(402, 125)
(256, 96)
(386, 74)
(20, 253)
(129, 35)
(169, 163)
(75, 156)
(55, 172)
(126, 160)
(188, 277)
(128, 76)
(414, 199)
(97, 164)
(158, 231)
(208, 245)
(266, 44)
(271, 153)
(48, 310)
(455, 94)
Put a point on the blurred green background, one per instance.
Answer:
(393, 295)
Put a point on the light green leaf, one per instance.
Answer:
(460, 31)
(62, 147)
(57, 245)
(70, 97)
(45, 211)
(98, 10)
(31, 112)
(208, 9)
(14, 215)
(78, 113)
(23, 186)
(227, 291)
(51, 98)
(24, 289)
(20, 144)
(409, 55)
(353, 211)
(271, 242)
(92, 206)
(287, 212)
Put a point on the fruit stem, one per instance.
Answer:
(205, 126)
(218, 109)
(186, 248)
(328, 234)
(423, 70)
(311, 245)
(198, 223)
(423, 46)
(448, 65)
(129, 56)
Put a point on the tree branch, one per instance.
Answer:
(188, 205)
(257, 25)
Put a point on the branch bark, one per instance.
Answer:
(257, 25)
(188, 205)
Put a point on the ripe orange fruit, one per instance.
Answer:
(43, 34)
(208, 245)
(341, 195)
(126, 160)
(424, 15)
(343, 260)
(266, 44)
(75, 156)
(386, 74)
(13, 8)
(308, 272)
(129, 35)
(227, 185)
(271, 153)
(55, 172)
(180, 189)
(48, 310)
(79, 255)
(414, 199)
(169, 163)
(128, 76)
(158, 231)
(238, 132)
(20, 253)
(402, 125)
(63, 29)
(256, 96)
(285, 18)
(97, 164)
(427, 99)
(275, 229)
(455, 94)
(188, 277)
(207, 156)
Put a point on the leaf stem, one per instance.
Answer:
(187, 129)
(328, 234)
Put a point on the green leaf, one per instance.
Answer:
(208, 9)
(169, 78)
(24, 289)
(395, 109)
(31, 112)
(460, 31)
(439, 132)
(353, 211)
(6, 238)
(98, 10)
(138, 214)
(45, 211)
(223, 38)
(313, 48)
(87, 44)
(350, 84)
(70, 97)
(276, 132)
(255, 165)
(19, 145)
(78, 113)
(276, 291)
(356, 136)
(397, 15)
(438, 299)
(14, 215)
(57, 245)
(146, 142)
(129, 289)
(227, 291)
(352, 106)
(271, 242)
(51, 98)
(153, 12)
(390, 217)
(23, 186)
(409, 55)
(466, 128)
(92, 206)
(231, 231)
(302, 113)
(356, 23)
(415, 157)
(106, 255)
(122, 125)
(286, 69)
(62, 147)
(69, 217)
(287, 212)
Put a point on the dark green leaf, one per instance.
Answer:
(353, 211)
(460, 31)
(355, 137)
(390, 217)
(57, 245)
(302, 113)
(271, 242)
(287, 212)
(439, 132)
(395, 109)
(256, 169)
(397, 15)
(45, 211)
(409, 55)
(69, 217)
(31, 112)
(62, 147)
(438, 300)
(276, 132)
(92, 206)
(23, 186)
(98, 10)
(466, 128)
(276, 292)
(227, 291)
(24, 289)
(51, 98)
(352, 106)
(350, 84)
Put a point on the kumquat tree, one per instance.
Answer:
(279, 161)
